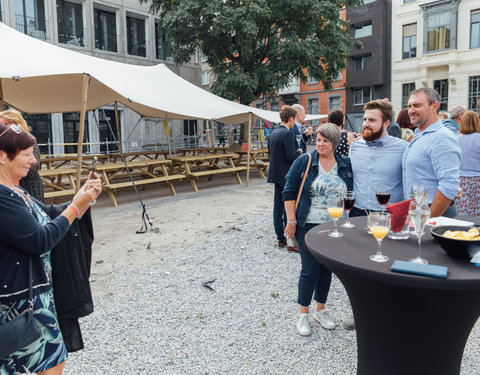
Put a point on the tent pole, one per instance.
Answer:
(248, 147)
(209, 139)
(119, 135)
(212, 133)
(168, 135)
(1, 97)
(86, 79)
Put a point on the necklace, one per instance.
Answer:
(328, 162)
(24, 198)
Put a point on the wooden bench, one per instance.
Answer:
(59, 193)
(206, 165)
(53, 179)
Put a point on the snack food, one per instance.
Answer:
(472, 234)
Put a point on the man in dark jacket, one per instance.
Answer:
(300, 137)
(282, 151)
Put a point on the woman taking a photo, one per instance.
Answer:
(26, 238)
(329, 176)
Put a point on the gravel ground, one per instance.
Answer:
(166, 322)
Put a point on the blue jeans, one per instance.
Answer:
(279, 215)
(451, 211)
(314, 277)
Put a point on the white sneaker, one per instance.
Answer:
(324, 319)
(303, 326)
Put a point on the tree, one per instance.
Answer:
(256, 47)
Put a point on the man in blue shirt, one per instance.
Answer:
(376, 159)
(432, 159)
(301, 137)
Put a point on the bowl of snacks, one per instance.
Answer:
(457, 241)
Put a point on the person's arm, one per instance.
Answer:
(291, 227)
(445, 158)
(439, 205)
(350, 138)
(289, 144)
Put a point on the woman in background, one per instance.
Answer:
(404, 121)
(336, 117)
(32, 182)
(469, 140)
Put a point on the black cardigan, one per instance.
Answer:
(21, 235)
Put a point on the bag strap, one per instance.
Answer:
(303, 181)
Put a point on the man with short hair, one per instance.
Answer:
(376, 159)
(282, 152)
(297, 128)
(456, 114)
(432, 159)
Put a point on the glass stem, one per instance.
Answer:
(419, 246)
(348, 217)
(334, 225)
(379, 250)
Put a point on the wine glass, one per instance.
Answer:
(299, 140)
(419, 213)
(383, 195)
(335, 210)
(379, 227)
(418, 192)
(348, 202)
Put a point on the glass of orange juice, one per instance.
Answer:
(379, 225)
(335, 210)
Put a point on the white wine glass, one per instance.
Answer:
(348, 202)
(418, 192)
(419, 213)
(379, 225)
(335, 210)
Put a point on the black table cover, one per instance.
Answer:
(405, 324)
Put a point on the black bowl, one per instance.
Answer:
(455, 248)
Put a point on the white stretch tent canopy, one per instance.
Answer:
(43, 78)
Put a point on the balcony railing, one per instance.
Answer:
(73, 40)
(33, 26)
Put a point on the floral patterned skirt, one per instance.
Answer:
(44, 353)
(469, 203)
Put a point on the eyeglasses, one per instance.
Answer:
(16, 128)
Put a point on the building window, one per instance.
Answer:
(473, 93)
(1, 12)
(408, 1)
(363, 95)
(368, 1)
(41, 125)
(71, 127)
(409, 41)
(205, 77)
(275, 106)
(442, 87)
(362, 62)
(334, 102)
(70, 23)
(105, 30)
(30, 18)
(313, 108)
(475, 29)
(311, 80)
(163, 48)
(136, 41)
(407, 88)
(363, 31)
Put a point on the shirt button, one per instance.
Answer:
(18, 263)
(5, 286)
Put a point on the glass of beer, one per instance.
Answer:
(335, 210)
(379, 225)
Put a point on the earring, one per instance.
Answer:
(2, 162)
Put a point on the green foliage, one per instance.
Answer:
(255, 47)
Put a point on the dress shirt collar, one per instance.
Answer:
(430, 129)
(284, 126)
(379, 142)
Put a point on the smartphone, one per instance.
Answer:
(94, 167)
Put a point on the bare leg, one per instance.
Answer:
(319, 306)
(57, 370)
(303, 309)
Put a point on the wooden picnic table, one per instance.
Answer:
(150, 171)
(196, 166)
(202, 151)
(133, 155)
(53, 179)
(60, 161)
(258, 159)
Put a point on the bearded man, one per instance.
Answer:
(376, 159)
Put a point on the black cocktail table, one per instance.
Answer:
(405, 324)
